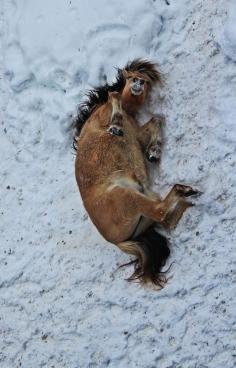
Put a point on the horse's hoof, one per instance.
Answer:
(154, 153)
(160, 118)
(152, 158)
(194, 192)
(186, 190)
(114, 130)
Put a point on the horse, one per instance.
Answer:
(112, 174)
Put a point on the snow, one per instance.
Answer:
(62, 301)
(229, 34)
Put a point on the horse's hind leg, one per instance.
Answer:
(150, 137)
(116, 122)
(171, 208)
(130, 204)
(177, 211)
(124, 206)
(177, 206)
(143, 224)
(174, 216)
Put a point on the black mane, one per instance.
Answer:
(96, 96)
(99, 95)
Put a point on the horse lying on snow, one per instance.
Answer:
(111, 171)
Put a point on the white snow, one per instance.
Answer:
(62, 302)
(229, 35)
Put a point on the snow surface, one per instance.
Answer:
(62, 302)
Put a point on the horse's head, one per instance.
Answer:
(137, 83)
(139, 76)
(136, 89)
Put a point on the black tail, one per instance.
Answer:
(152, 251)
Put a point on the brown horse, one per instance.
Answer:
(112, 176)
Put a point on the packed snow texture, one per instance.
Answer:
(62, 301)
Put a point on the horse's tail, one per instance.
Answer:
(151, 250)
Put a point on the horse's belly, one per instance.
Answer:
(107, 170)
(98, 160)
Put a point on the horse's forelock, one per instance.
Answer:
(146, 68)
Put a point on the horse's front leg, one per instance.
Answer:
(116, 122)
(150, 137)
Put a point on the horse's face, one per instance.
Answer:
(137, 84)
(135, 90)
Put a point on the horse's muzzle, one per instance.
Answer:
(137, 87)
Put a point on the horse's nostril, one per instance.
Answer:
(135, 80)
(141, 81)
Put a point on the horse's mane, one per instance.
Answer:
(99, 95)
